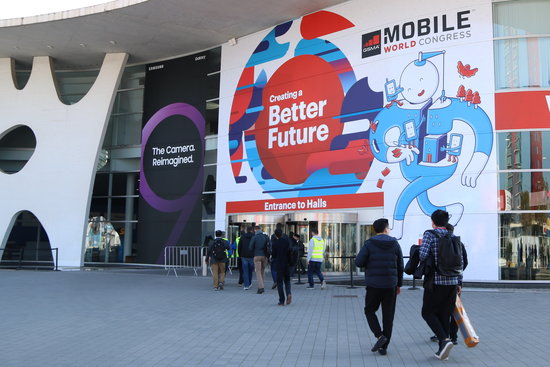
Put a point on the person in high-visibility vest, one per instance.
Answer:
(235, 254)
(315, 254)
(227, 252)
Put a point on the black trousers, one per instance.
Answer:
(283, 278)
(373, 299)
(437, 308)
(240, 267)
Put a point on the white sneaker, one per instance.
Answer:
(246, 288)
(324, 285)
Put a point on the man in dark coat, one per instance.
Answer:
(280, 247)
(382, 259)
(247, 256)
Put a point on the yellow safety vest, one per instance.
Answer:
(318, 248)
(226, 251)
(236, 252)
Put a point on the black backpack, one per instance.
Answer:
(293, 253)
(414, 260)
(449, 254)
(218, 249)
(267, 246)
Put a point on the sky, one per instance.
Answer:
(25, 8)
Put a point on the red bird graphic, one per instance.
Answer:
(465, 70)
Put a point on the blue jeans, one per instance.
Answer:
(314, 267)
(248, 268)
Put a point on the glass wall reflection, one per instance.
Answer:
(525, 246)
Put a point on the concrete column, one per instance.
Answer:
(129, 210)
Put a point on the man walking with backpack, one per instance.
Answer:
(217, 256)
(259, 245)
(439, 302)
(382, 258)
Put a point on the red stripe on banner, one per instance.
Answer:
(348, 201)
(522, 110)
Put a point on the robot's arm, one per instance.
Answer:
(388, 146)
(483, 133)
(401, 153)
(474, 168)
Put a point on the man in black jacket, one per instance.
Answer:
(382, 259)
(247, 257)
(280, 248)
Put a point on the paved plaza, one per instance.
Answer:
(126, 317)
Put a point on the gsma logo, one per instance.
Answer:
(371, 44)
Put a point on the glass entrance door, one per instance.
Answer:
(340, 245)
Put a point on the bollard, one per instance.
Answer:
(414, 287)
(351, 272)
(299, 270)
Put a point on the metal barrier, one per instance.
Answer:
(19, 261)
(351, 266)
(232, 264)
(183, 257)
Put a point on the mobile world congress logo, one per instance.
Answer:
(419, 32)
(371, 44)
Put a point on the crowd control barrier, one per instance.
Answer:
(183, 257)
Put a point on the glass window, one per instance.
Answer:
(515, 18)
(73, 86)
(525, 246)
(214, 59)
(212, 109)
(208, 229)
(119, 184)
(98, 207)
(522, 62)
(208, 206)
(209, 179)
(524, 150)
(101, 185)
(210, 156)
(118, 208)
(526, 190)
(21, 78)
(133, 77)
(213, 86)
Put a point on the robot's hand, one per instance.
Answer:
(401, 153)
(474, 168)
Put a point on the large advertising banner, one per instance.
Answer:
(386, 102)
(172, 156)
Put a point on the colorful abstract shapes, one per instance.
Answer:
(322, 23)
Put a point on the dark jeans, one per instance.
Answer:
(314, 267)
(283, 277)
(273, 267)
(248, 267)
(240, 267)
(437, 308)
(373, 299)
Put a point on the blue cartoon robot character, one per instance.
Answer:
(419, 135)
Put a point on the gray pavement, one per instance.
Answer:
(130, 317)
